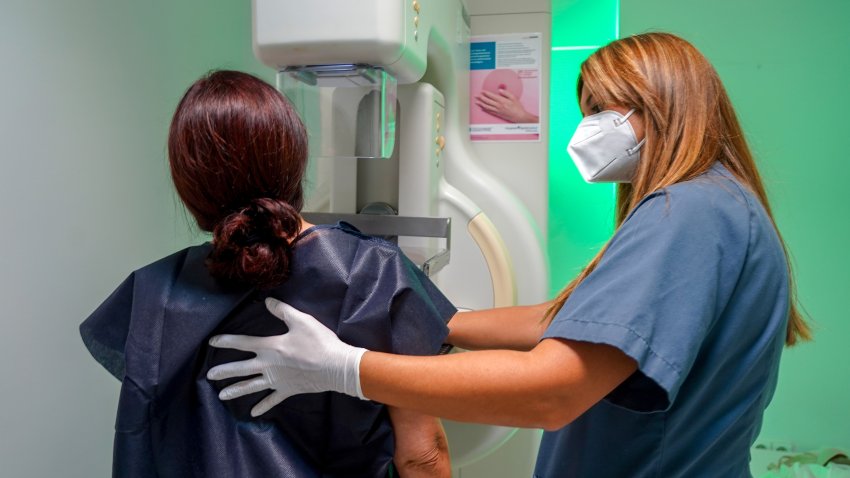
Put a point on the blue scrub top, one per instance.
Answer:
(694, 287)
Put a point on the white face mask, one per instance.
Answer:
(605, 148)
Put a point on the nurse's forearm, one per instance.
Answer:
(514, 328)
(547, 387)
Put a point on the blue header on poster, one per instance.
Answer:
(482, 55)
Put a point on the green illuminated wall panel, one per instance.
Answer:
(584, 22)
(581, 215)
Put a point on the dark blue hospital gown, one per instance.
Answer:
(152, 333)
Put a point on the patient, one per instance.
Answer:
(238, 153)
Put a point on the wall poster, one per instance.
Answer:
(504, 87)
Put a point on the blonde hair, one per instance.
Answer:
(689, 123)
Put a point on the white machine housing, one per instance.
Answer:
(497, 250)
(370, 32)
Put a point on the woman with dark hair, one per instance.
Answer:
(659, 358)
(238, 154)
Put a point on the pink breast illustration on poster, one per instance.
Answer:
(504, 87)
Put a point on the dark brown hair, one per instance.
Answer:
(238, 152)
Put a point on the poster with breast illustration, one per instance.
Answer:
(504, 87)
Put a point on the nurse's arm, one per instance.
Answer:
(514, 328)
(547, 387)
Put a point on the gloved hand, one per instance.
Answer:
(307, 359)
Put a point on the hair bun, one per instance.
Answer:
(251, 246)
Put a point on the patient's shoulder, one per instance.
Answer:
(344, 235)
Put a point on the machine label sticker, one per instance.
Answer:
(504, 87)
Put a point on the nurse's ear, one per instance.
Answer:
(635, 119)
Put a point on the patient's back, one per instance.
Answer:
(362, 288)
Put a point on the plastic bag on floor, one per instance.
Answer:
(827, 463)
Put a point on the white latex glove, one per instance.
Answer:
(307, 359)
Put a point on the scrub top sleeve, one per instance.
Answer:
(105, 331)
(654, 295)
(419, 312)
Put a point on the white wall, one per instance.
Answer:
(86, 93)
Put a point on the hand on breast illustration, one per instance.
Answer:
(500, 96)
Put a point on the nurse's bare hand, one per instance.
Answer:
(307, 359)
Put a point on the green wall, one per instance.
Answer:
(581, 215)
(786, 65)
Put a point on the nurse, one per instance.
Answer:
(659, 359)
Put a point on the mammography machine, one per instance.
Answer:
(383, 87)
